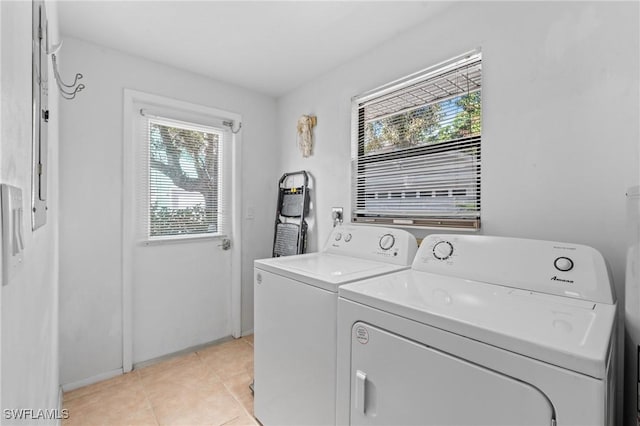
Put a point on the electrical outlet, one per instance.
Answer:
(337, 215)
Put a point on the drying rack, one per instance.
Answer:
(290, 234)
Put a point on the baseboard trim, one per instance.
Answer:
(247, 333)
(185, 351)
(91, 380)
(110, 374)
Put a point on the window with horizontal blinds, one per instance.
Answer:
(417, 148)
(183, 181)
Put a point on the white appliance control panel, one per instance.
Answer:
(563, 269)
(387, 241)
(388, 245)
(564, 264)
(442, 250)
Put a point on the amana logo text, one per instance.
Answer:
(555, 278)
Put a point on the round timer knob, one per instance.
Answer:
(338, 236)
(387, 241)
(442, 250)
(347, 238)
(563, 264)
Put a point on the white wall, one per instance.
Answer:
(560, 116)
(30, 303)
(91, 181)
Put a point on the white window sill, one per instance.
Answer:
(176, 239)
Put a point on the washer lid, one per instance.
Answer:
(326, 270)
(569, 333)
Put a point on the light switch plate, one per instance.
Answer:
(251, 213)
(12, 216)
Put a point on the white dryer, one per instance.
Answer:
(481, 331)
(295, 306)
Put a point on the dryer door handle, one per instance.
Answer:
(361, 381)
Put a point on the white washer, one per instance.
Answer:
(481, 331)
(295, 301)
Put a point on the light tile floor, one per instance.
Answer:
(206, 387)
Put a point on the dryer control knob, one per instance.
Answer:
(347, 238)
(563, 264)
(338, 236)
(387, 241)
(442, 250)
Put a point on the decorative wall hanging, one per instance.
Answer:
(306, 123)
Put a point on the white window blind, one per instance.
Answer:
(182, 181)
(416, 148)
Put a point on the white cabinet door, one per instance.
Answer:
(395, 381)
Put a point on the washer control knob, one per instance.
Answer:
(338, 236)
(442, 250)
(387, 241)
(347, 238)
(563, 264)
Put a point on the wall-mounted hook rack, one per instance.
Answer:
(68, 91)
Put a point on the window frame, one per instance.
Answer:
(359, 159)
(167, 120)
(201, 115)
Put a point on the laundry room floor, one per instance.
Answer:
(206, 387)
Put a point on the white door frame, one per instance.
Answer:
(128, 203)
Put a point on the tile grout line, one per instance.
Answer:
(222, 381)
(251, 416)
(238, 401)
(228, 389)
(137, 381)
(146, 396)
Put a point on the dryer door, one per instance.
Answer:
(397, 381)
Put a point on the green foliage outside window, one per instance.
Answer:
(443, 121)
(188, 159)
(164, 221)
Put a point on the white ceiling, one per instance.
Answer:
(268, 46)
